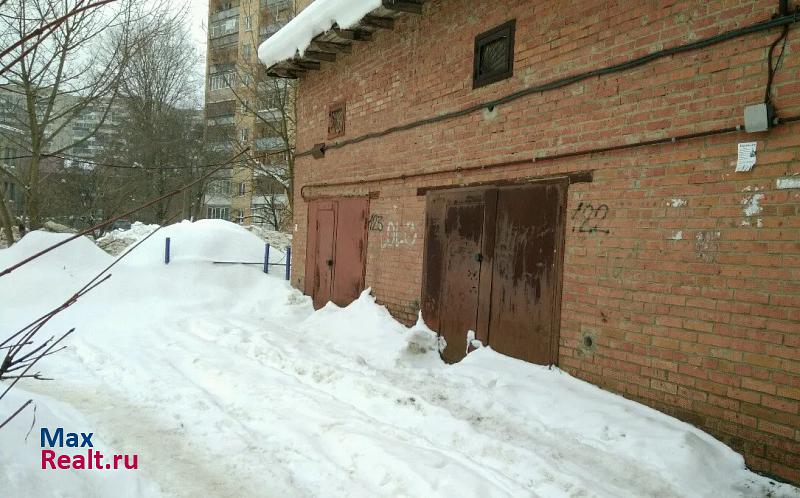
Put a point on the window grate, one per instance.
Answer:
(494, 55)
(336, 120)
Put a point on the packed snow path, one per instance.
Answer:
(226, 383)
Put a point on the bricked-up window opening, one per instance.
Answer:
(494, 55)
(336, 120)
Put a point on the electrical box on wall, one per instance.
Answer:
(758, 117)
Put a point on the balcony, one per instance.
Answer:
(271, 115)
(224, 41)
(269, 30)
(221, 109)
(269, 144)
(275, 4)
(223, 14)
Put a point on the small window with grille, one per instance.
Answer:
(336, 120)
(494, 55)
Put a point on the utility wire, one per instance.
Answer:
(780, 21)
(69, 157)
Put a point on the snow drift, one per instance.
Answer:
(226, 382)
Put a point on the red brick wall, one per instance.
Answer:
(693, 296)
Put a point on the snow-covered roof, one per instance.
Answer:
(320, 16)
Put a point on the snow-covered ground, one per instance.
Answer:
(116, 241)
(226, 383)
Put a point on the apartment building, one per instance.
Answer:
(244, 108)
(83, 137)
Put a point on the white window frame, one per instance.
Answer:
(220, 81)
(218, 213)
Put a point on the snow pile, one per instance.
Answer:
(20, 452)
(116, 241)
(320, 16)
(14, 233)
(52, 226)
(203, 240)
(274, 238)
(51, 280)
(226, 382)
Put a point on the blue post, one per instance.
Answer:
(266, 258)
(166, 252)
(288, 262)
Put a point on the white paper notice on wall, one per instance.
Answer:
(747, 156)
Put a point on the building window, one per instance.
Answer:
(244, 106)
(494, 55)
(220, 80)
(220, 187)
(222, 28)
(244, 134)
(242, 188)
(218, 213)
(247, 50)
(336, 119)
(248, 23)
(240, 217)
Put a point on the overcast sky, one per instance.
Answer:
(196, 20)
(198, 17)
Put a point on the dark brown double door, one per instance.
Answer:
(337, 250)
(493, 265)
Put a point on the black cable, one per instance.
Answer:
(771, 70)
(781, 21)
(552, 157)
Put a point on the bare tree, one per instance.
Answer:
(59, 78)
(46, 27)
(163, 133)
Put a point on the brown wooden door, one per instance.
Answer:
(351, 249)
(319, 258)
(336, 254)
(493, 265)
(454, 246)
(526, 274)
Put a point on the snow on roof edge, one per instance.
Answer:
(320, 16)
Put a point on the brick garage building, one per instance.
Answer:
(598, 224)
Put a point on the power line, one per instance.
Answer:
(782, 21)
(69, 157)
(121, 216)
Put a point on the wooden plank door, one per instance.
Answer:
(320, 253)
(454, 245)
(350, 249)
(527, 270)
(337, 250)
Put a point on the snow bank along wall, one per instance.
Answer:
(680, 280)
